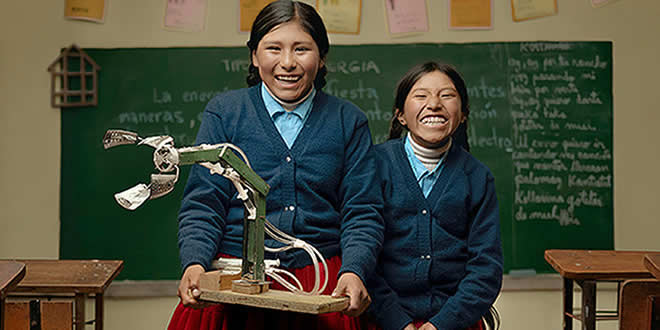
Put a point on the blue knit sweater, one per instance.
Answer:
(322, 191)
(442, 258)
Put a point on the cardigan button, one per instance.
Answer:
(288, 159)
(291, 208)
(424, 211)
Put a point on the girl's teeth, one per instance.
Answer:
(434, 120)
(288, 78)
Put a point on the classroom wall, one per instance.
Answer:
(32, 32)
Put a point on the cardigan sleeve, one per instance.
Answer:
(362, 225)
(478, 290)
(205, 202)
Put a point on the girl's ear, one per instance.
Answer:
(400, 118)
(255, 61)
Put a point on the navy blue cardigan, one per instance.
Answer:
(442, 257)
(322, 191)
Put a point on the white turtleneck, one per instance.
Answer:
(428, 156)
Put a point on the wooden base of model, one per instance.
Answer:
(220, 287)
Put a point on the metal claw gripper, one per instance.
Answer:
(166, 159)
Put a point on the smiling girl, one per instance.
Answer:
(441, 264)
(312, 149)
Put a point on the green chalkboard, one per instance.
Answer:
(541, 119)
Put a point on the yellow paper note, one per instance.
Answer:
(528, 9)
(88, 10)
(470, 14)
(249, 11)
(340, 16)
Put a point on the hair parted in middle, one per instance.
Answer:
(283, 11)
(407, 82)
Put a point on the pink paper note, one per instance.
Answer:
(405, 16)
(186, 15)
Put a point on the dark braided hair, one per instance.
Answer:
(284, 11)
(406, 84)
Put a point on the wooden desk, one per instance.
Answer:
(652, 263)
(585, 268)
(77, 278)
(11, 273)
(638, 304)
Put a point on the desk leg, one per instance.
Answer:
(98, 305)
(2, 313)
(79, 321)
(568, 304)
(588, 305)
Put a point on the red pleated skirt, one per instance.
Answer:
(230, 317)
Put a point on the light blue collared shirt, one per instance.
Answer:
(288, 123)
(425, 178)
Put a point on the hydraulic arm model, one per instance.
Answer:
(251, 190)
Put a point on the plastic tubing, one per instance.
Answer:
(291, 242)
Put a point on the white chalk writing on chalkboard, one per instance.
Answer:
(161, 97)
(353, 66)
(485, 90)
(532, 47)
(554, 93)
(235, 65)
(171, 117)
(342, 90)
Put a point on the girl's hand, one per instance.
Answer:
(428, 326)
(410, 326)
(350, 285)
(189, 287)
